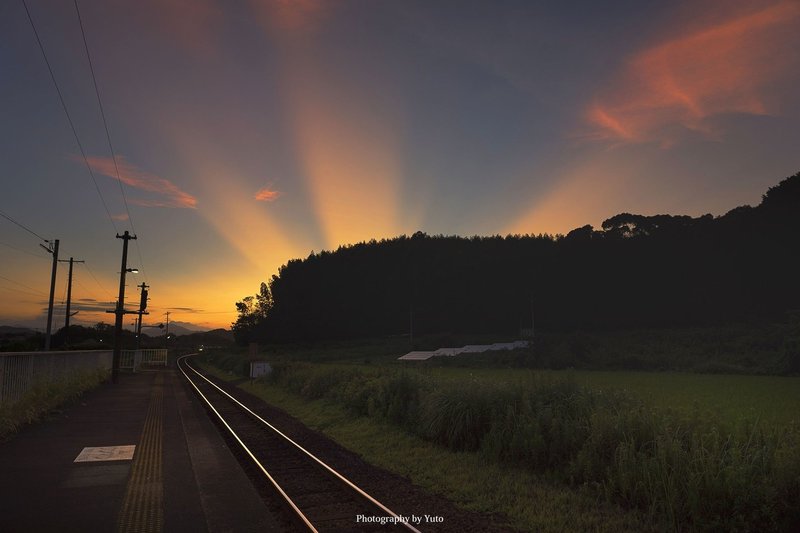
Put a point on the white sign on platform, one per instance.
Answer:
(106, 453)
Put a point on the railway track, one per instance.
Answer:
(315, 494)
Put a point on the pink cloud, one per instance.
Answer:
(720, 68)
(171, 195)
(122, 216)
(267, 195)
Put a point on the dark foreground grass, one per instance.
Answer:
(771, 399)
(688, 469)
(45, 397)
(529, 502)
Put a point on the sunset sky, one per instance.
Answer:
(250, 133)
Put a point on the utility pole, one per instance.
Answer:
(52, 249)
(142, 307)
(166, 336)
(120, 310)
(69, 296)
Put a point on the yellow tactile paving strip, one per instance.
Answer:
(143, 507)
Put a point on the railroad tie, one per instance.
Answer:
(143, 507)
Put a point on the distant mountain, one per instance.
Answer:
(177, 327)
(215, 337)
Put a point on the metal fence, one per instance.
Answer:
(21, 371)
(134, 359)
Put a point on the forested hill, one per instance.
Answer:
(635, 271)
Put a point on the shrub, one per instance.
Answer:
(692, 471)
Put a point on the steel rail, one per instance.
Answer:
(275, 484)
(321, 463)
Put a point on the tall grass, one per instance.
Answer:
(45, 397)
(691, 471)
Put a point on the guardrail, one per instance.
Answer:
(133, 359)
(21, 371)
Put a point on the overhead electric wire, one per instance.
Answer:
(108, 135)
(23, 227)
(64, 296)
(23, 251)
(69, 118)
(111, 296)
(28, 293)
(89, 293)
(37, 291)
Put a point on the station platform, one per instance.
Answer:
(141, 455)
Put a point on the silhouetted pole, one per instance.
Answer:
(54, 251)
(142, 307)
(69, 296)
(120, 311)
(166, 336)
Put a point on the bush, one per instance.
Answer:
(45, 397)
(691, 471)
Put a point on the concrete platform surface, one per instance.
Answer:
(180, 476)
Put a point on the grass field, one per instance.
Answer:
(42, 398)
(676, 450)
(735, 397)
(519, 498)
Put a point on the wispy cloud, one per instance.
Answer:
(121, 216)
(267, 195)
(86, 305)
(167, 194)
(721, 68)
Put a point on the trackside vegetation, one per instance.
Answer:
(685, 469)
(41, 399)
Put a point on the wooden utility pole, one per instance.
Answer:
(120, 310)
(69, 296)
(166, 336)
(52, 249)
(142, 307)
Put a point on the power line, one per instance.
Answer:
(64, 296)
(108, 134)
(69, 118)
(28, 293)
(22, 251)
(89, 293)
(37, 291)
(110, 296)
(23, 227)
(103, 115)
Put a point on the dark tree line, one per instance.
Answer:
(635, 271)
